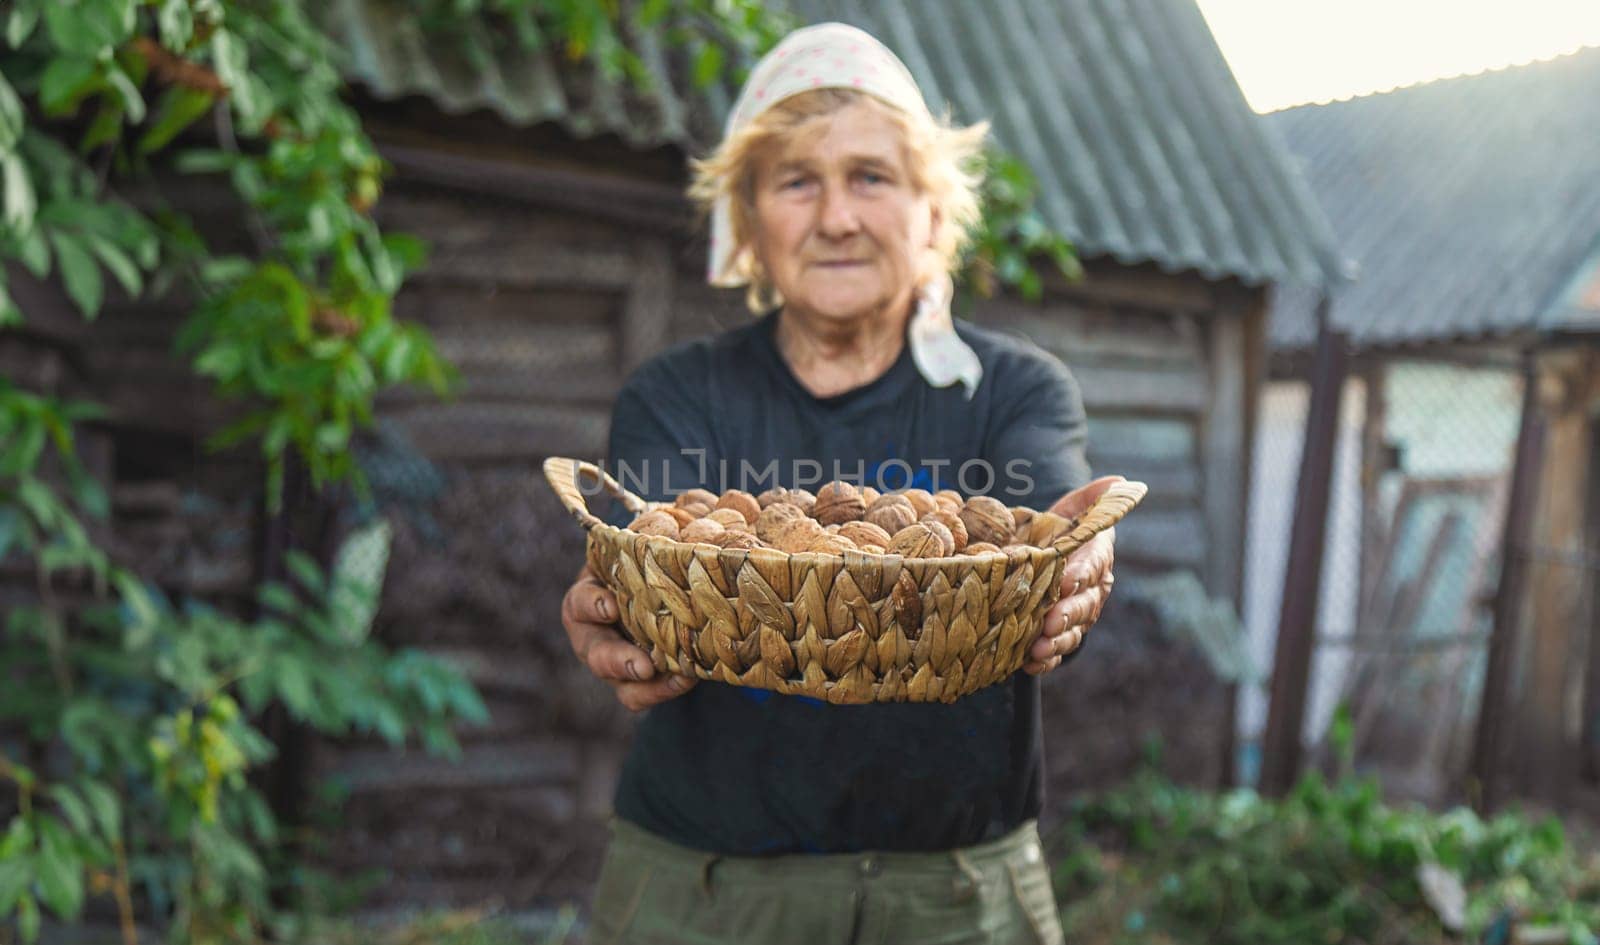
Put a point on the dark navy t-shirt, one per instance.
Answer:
(746, 771)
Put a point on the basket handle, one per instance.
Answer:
(563, 475)
(1117, 501)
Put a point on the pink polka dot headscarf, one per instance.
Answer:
(837, 55)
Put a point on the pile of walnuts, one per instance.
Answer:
(841, 516)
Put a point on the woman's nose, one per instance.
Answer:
(837, 213)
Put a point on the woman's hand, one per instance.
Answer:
(589, 612)
(1085, 584)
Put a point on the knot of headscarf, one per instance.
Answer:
(837, 55)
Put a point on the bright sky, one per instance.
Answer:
(1286, 52)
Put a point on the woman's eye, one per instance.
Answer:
(793, 183)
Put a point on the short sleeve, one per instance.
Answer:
(659, 443)
(1038, 442)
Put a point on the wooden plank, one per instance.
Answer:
(1146, 285)
(1170, 537)
(1142, 388)
(647, 315)
(1080, 332)
(1555, 590)
(1281, 744)
(632, 202)
(483, 432)
(1225, 454)
(1151, 439)
(517, 763)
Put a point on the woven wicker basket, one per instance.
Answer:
(849, 628)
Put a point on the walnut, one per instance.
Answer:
(917, 540)
(655, 523)
(802, 498)
(870, 495)
(697, 509)
(831, 545)
(796, 534)
(737, 539)
(950, 499)
(727, 518)
(988, 519)
(865, 533)
(892, 513)
(980, 548)
(775, 494)
(947, 541)
(681, 516)
(921, 500)
(951, 521)
(1021, 518)
(740, 501)
(1045, 528)
(773, 516)
(703, 497)
(838, 502)
(874, 549)
(701, 529)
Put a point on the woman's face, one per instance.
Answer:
(840, 228)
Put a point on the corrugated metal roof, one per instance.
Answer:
(1143, 145)
(1468, 204)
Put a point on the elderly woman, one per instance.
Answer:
(748, 816)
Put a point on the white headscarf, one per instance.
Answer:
(836, 55)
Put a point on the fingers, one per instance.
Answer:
(1079, 500)
(589, 613)
(1047, 652)
(1078, 610)
(638, 696)
(589, 601)
(1089, 564)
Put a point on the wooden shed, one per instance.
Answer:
(1458, 604)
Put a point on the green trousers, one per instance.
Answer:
(655, 892)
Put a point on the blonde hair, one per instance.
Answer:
(943, 162)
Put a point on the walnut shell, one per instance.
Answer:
(655, 523)
(947, 541)
(740, 501)
(689, 497)
(795, 535)
(727, 518)
(1021, 518)
(681, 516)
(832, 545)
(737, 539)
(951, 521)
(865, 533)
(874, 549)
(892, 513)
(987, 519)
(803, 498)
(1045, 528)
(921, 500)
(774, 515)
(697, 509)
(701, 529)
(980, 548)
(870, 495)
(917, 540)
(949, 499)
(838, 502)
(775, 494)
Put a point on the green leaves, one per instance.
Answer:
(79, 273)
(178, 108)
(1011, 240)
(88, 27)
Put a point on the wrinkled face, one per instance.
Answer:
(840, 228)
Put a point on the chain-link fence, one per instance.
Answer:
(1422, 460)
